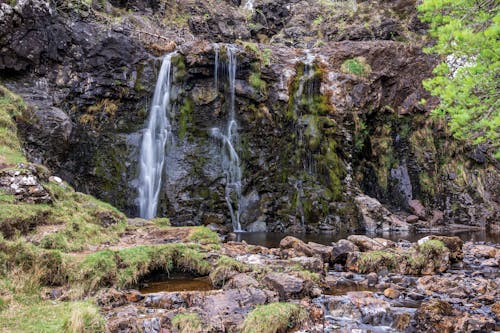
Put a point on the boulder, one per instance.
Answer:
(314, 264)
(287, 286)
(417, 208)
(366, 243)
(440, 316)
(376, 217)
(341, 249)
(299, 247)
(322, 251)
(454, 244)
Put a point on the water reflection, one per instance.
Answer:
(272, 239)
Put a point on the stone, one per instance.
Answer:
(366, 243)
(241, 280)
(417, 208)
(372, 279)
(287, 286)
(437, 217)
(134, 296)
(300, 248)
(454, 244)
(258, 226)
(341, 249)
(322, 251)
(391, 293)
(412, 218)
(376, 217)
(314, 264)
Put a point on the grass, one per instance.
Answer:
(431, 247)
(187, 322)
(372, 261)
(356, 66)
(224, 267)
(273, 318)
(124, 268)
(203, 235)
(51, 316)
(11, 107)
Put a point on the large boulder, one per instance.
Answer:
(341, 249)
(288, 286)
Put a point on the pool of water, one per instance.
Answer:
(163, 282)
(272, 239)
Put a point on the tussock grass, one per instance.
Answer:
(273, 318)
(187, 322)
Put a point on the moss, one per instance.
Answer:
(224, 268)
(372, 261)
(203, 235)
(273, 318)
(125, 267)
(185, 117)
(306, 274)
(431, 247)
(180, 70)
(357, 66)
(11, 107)
(162, 222)
(257, 83)
(292, 89)
(187, 322)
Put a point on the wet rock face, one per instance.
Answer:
(365, 142)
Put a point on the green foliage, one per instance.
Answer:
(466, 32)
(273, 318)
(356, 66)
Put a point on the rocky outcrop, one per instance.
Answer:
(361, 147)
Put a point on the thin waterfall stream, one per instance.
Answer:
(155, 141)
(230, 160)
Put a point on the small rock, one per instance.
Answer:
(372, 279)
(412, 218)
(391, 293)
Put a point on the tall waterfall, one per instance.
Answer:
(155, 142)
(230, 159)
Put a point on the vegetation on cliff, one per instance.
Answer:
(466, 82)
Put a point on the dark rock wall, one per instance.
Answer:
(89, 81)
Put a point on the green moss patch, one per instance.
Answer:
(273, 318)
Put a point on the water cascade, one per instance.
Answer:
(303, 98)
(230, 159)
(155, 141)
(248, 5)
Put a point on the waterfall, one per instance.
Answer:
(230, 159)
(303, 97)
(248, 5)
(155, 141)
